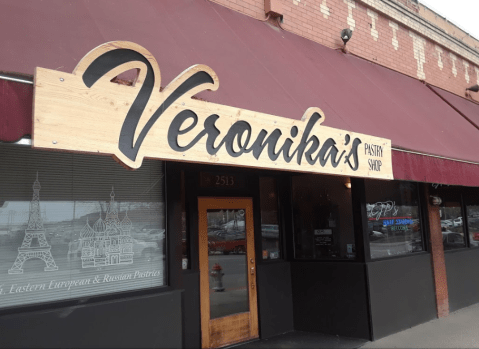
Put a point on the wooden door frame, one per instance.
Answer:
(205, 203)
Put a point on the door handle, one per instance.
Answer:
(252, 271)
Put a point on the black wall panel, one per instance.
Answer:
(462, 278)
(401, 293)
(330, 298)
(275, 304)
(143, 322)
(191, 310)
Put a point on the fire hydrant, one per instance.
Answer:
(217, 276)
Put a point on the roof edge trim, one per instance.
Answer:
(9, 78)
(434, 156)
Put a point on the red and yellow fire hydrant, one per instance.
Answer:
(217, 277)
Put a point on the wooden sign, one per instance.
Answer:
(86, 112)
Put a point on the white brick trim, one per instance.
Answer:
(401, 14)
(374, 17)
(325, 9)
(351, 22)
(394, 40)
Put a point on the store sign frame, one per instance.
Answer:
(86, 112)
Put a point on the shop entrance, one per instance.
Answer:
(227, 271)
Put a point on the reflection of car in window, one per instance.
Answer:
(457, 222)
(375, 235)
(227, 246)
(147, 249)
(447, 223)
(150, 233)
(452, 240)
(474, 238)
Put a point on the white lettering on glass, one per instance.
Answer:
(381, 209)
(35, 232)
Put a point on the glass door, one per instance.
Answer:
(227, 271)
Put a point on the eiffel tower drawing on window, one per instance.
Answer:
(34, 231)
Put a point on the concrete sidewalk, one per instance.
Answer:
(459, 330)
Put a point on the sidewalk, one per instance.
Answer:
(302, 340)
(459, 330)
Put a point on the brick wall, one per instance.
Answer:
(376, 37)
(438, 261)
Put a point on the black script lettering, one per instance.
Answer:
(329, 150)
(259, 144)
(305, 140)
(175, 130)
(287, 145)
(354, 153)
(114, 58)
(347, 138)
(314, 146)
(213, 133)
(239, 135)
(237, 131)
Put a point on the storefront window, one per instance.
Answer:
(450, 211)
(184, 228)
(473, 224)
(74, 226)
(269, 218)
(394, 225)
(323, 223)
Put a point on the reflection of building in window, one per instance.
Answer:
(109, 241)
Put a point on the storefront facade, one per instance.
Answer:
(148, 213)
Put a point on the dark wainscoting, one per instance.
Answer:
(462, 278)
(401, 293)
(191, 310)
(331, 298)
(152, 321)
(275, 305)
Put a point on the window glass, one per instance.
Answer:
(227, 234)
(184, 229)
(323, 218)
(450, 211)
(74, 226)
(269, 218)
(394, 225)
(473, 224)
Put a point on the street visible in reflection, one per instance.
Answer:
(227, 263)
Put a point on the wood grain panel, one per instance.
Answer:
(70, 116)
(229, 330)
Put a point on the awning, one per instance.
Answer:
(16, 100)
(260, 68)
(468, 109)
(421, 168)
